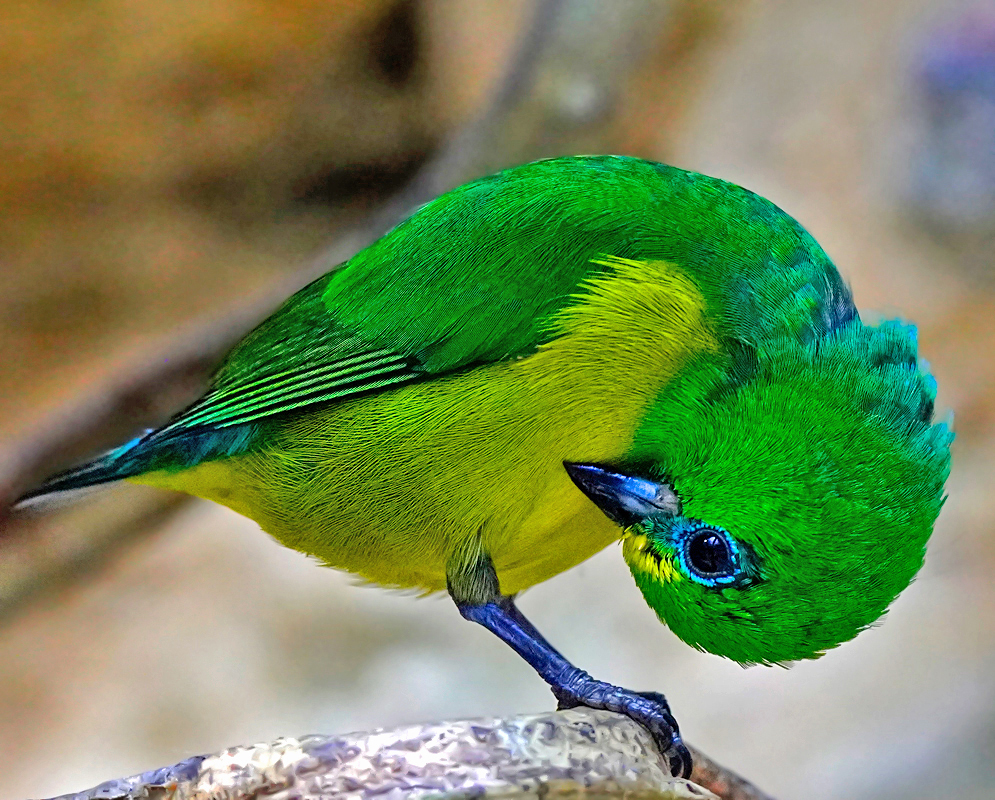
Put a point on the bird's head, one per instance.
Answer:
(772, 517)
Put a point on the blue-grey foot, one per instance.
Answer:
(573, 687)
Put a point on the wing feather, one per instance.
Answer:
(233, 405)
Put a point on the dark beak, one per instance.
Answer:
(625, 499)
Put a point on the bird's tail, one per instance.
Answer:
(114, 465)
(154, 449)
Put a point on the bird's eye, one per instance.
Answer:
(710, 556)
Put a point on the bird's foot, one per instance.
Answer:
(649, 709)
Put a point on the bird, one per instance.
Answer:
(568, 354)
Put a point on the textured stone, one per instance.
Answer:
(567, 753)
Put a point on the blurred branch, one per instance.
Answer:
(567, 753)
(562, 92)
(721, 781)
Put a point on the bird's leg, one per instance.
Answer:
(473, 585)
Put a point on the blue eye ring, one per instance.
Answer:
(708, 555)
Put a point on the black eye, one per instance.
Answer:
(709, 554)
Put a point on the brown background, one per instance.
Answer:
(161, 161)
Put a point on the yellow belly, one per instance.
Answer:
(391, 485)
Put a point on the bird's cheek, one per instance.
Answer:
(643, 560)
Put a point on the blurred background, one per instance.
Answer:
(171, 170)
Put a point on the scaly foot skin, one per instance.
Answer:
(649, 709)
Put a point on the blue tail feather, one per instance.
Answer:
(150, 451)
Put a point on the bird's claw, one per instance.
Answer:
(663, 728)
(649, 709)
(658, 698)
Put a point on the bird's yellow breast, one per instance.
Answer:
(392, 486)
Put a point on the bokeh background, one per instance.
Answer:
(169, 169)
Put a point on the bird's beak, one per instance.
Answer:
(625, 499)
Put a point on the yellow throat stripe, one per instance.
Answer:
(637, 554)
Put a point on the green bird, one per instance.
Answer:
(567, 354)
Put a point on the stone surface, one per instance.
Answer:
(569, 753)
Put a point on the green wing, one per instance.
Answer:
(473, 277)
(476, 276)
(296, 358)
